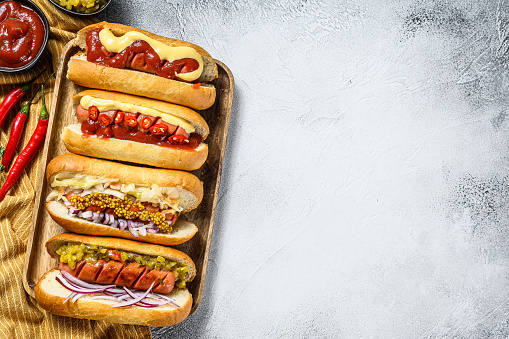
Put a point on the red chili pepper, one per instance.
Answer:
(93, 112)
(34, 144)
(16, 131)
(158, 129)
(119, 117)
(14, 97)
(147, 122)
(131, 121)
(177, 139)
(104, 120)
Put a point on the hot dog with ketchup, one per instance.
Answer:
(129, 60)
(116, 280)
(134, 129)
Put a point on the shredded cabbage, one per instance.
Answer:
(79, 181)
(163, 197)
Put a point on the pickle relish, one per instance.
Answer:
(71, 254)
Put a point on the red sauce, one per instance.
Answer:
(124, 132)
(139, 56)
(21, 34)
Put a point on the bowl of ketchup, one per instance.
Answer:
(24, 32)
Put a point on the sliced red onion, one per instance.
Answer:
(143, 231)
(106, 220)
(87, 215)
(152, 230)
(132, 298)
(107, 297)
(81, 283)
(134, 232)
(74, 210)
(69, 297)
(165, 301)
(131, 226)
(115, 223)
(135, 300)
(122, 224)
(77, 296)
(75, 289)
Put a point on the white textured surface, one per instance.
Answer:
(365, 186)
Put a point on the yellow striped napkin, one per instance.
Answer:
(20, 316)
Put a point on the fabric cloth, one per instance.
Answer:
(20, 316)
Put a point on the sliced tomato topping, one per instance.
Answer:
(196, 85)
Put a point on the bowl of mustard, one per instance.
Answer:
(81, 7)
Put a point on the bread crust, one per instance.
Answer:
(182, 231)
(119, 29)
(51, 295)
(185, 113)
(132, 151)
(54, 244)
(88, 74)
(126, 173)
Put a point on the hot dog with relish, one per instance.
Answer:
(116, 280)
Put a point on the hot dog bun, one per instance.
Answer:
(188, 186)
(51, 295)
(182, 231)
(89, 74)
(136, 152)
(185, 113)
(132, 151)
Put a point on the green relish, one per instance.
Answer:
(74, 253)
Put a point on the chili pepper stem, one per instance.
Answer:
(44, 112)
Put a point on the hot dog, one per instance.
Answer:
(116, 280)
(145, 131)
(99, 197)
(130, 60)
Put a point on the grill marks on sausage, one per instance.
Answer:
(139, 56)
(136, 127)
(122, 274)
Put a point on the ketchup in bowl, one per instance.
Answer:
(22, 34)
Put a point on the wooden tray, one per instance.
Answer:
(38, 260)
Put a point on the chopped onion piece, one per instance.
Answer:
(135, 300)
